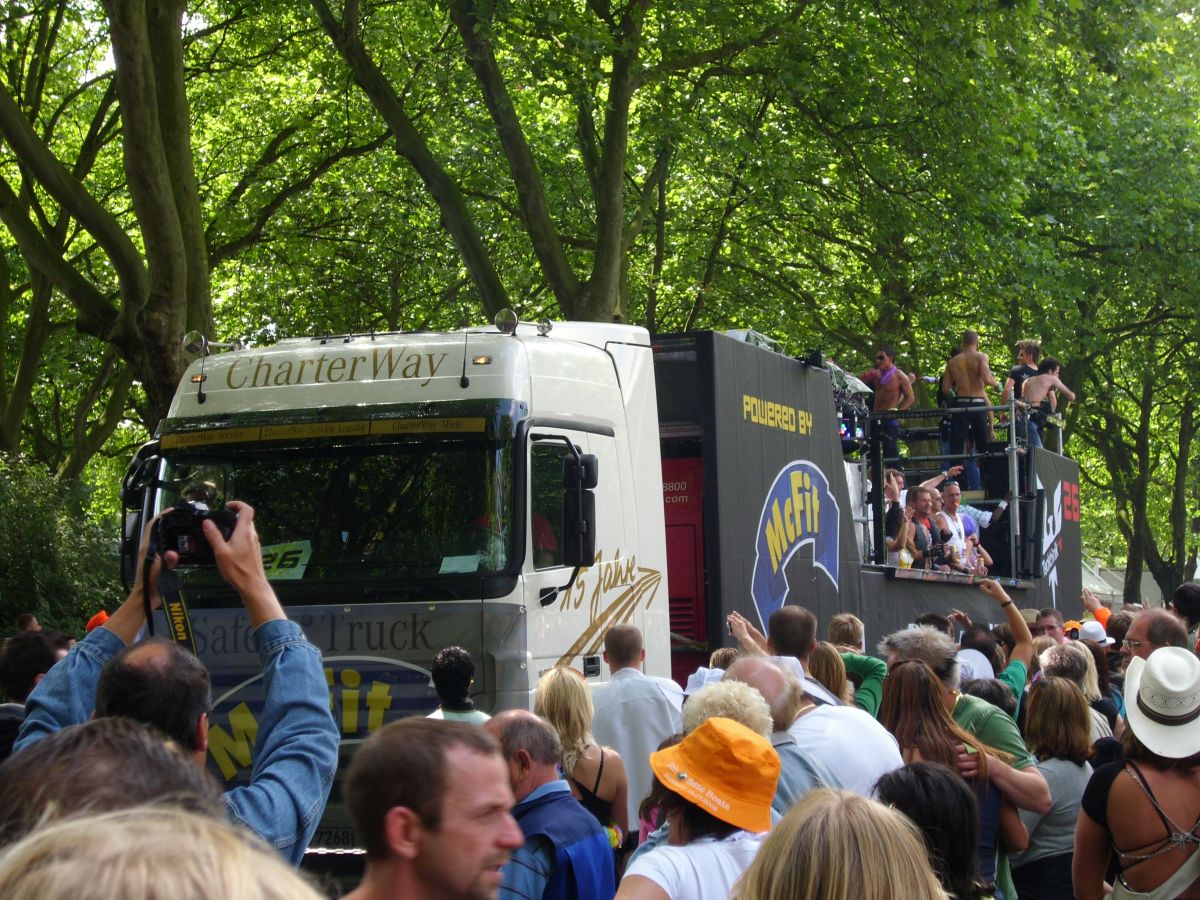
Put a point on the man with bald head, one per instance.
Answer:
(1151, 630)
(156, 682)
(566, 852)
(799, 771)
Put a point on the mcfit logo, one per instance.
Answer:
(799, 509)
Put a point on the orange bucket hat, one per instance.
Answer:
(724, 768)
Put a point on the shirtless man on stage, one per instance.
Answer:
(893, 390)
(968, 375)
(1040, 396)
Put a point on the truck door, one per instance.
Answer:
(566, 626)
(683, 512)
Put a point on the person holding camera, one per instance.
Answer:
(111, 673)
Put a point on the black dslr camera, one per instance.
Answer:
(180, 530)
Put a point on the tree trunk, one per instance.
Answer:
(531, 196)
(147, 38)
(602, 295)
(456, 218)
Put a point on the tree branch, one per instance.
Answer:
(603, 289)
(88, 440)
(97, 316)
(456, 218)
(221, 252)
(54, 178)
(531, 195)
(712, 55)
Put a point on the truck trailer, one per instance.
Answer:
(518, 491)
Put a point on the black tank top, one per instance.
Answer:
(593, 803)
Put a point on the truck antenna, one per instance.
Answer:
(194, 342)
(465, 381)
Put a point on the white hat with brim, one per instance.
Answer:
(1092, 630)
(1163, 702)
(973, 664)
(702, 678)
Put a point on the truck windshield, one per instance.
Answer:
(416, 508)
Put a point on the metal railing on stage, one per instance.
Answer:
(872, 464)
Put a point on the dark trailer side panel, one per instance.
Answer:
(776, 512)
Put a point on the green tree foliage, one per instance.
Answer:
(55, 561)
(833, 174)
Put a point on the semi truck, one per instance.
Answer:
(517, 491)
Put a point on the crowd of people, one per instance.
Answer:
(962, 390)
(1040, 758)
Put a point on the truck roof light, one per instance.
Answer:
(481, 360)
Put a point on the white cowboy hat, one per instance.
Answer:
(1094, 631)
(973, 664)
(1163, 705)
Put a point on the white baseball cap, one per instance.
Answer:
(1092, 630)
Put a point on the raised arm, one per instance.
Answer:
(239, 560)
(749, 637)
(937, 479)
(296, 748)
(872, 671)
(1023, 649)
(1092, 604)
(66, 695)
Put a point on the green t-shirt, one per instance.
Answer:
(1014, 676)
(871, 671)
(993, 727)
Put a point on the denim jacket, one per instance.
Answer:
(295, 751)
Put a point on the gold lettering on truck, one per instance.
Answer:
(381, 364)
(780, 416)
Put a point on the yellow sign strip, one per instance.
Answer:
(323, 429)
(426, 426)
(298, 431)
(210, 436)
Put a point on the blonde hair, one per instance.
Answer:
(730, 700)
(825, 664)
(1041, 644)
(563, 701)
(146, 853)
(1091, 680)
(846, 629)
(1058, 720)
(722, 657)
(838, 845)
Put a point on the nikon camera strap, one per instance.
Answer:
(170, 588)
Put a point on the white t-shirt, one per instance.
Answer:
(703, 868)
(851, 744)
(474, 716)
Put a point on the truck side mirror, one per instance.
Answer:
(580, 477)
(139, 479)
